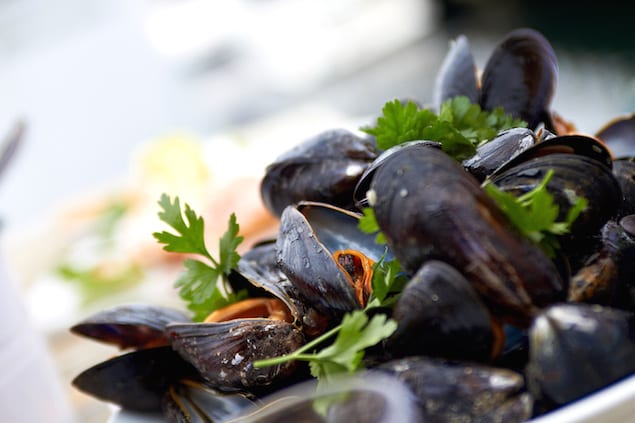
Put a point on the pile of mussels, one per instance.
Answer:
(489, 327)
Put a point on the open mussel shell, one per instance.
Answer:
(458, 74)
(576, 349)
(130, 326)
(439, 314)
(224, 352)
(137, 380)
(574, 175)
(310, 266)
(323, 168)
(337, 229)
(260, 267)
(520, 76)
(369, 397)
(428, 207)
(192, 401)
(500, 150)
(448, 391)
(619, 136)
(580, 145)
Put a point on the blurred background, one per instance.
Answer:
(122, 100)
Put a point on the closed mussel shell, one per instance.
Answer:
(428, 206)
(462, 392)
(224, 352)
(439, 314)
(323, 168)
(576, 349)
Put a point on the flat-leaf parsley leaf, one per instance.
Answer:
(204, 286)
(460, 125)
(534, 213)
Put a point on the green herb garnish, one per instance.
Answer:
(204, 286)
(96, 282)
(368, 224)
(460, 125)
(534, 213)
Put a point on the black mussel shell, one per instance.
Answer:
(504, 147)
(192, 401)
(363, 185)
(439, 314)
(520, 76)
(457, 76)
(576, 349)
(324, 168)
(574, 175)
(624, 171)
(130, 326)
(580, 145)
(338, 229)
(310, 266)
(459, 391)
(607, 274)
(429, 207)
(260, 267)
(619, 135)
(137, 380)
(224, 352)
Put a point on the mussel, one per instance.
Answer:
(224, 352)
(498, 151)
(619, 135)
(609, 274)
(576, 349)
(520, 76)
(130, 326)
(429, 207)
(574, 176)
(439, 314)
(191, 401)
(624, 171)
(460, 391)
(136, 380)
(325, 168)
(326, 257)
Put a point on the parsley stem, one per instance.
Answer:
(299, 353)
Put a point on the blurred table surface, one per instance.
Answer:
(96, 81)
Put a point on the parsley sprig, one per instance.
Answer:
(460, 125)
(204, 286)
(356, 332)
(534, 213)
